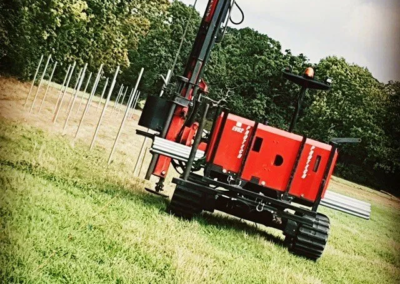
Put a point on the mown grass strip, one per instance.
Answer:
(52, 194)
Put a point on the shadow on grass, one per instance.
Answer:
(207, 219)
(135, 194)
(237, 225)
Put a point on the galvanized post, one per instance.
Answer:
(142, 147)
(89, 100)
(123, 99)
(48, 86)
(104, 108)
(102, 94)
(144, 157)
(131, 110)
(134, 105)
(40, 83)
(94, 88)
(121, 89)
(124, 119)
(140, 154)
(76, 86)
(84, 91)
(130, 95)
(75, 96)
(137, 99)
(59, 105)
(62, 86)
(34, 79)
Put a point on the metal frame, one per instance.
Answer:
(295, 166)
(219, 135)
(202, 183)
(325, 177)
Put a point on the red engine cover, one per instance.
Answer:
(271, 157)
(233, 142)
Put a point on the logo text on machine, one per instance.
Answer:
(238, 127)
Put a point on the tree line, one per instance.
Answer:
(246, 64)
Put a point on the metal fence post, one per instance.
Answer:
(34, 79)
(59, 102)
(121, 89)
(84, 91)
(130, 95)
(62, 86)
(125, 117)
(94, 88)
(140, 154)
(75, 96)
(131, 110)
(144, 157)
(89, 100)
(136, 101)
(104, 108)
(40, 83)
(102, 94)
(48, 86)
(123, 99)
(76, 85)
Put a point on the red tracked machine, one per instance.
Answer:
(250, 170)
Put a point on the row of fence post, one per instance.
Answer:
(64, 89)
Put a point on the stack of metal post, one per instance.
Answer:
(347, 204)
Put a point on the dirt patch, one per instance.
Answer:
(13, 94)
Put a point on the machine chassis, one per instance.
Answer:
(306, 232)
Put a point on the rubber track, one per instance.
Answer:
(186, 202)
(310, 241)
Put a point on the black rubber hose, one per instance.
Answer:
(241, 12)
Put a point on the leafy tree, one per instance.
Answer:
(157, 51)
(355, 107)
(87, 31)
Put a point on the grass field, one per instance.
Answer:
(66, 217)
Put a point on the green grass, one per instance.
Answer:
(68, 218)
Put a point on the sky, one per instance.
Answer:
(364, 32)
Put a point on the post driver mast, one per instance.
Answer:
(179, 124)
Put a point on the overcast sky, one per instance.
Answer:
(365, 32)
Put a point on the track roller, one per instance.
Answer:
(310, 242)
(186, 202)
